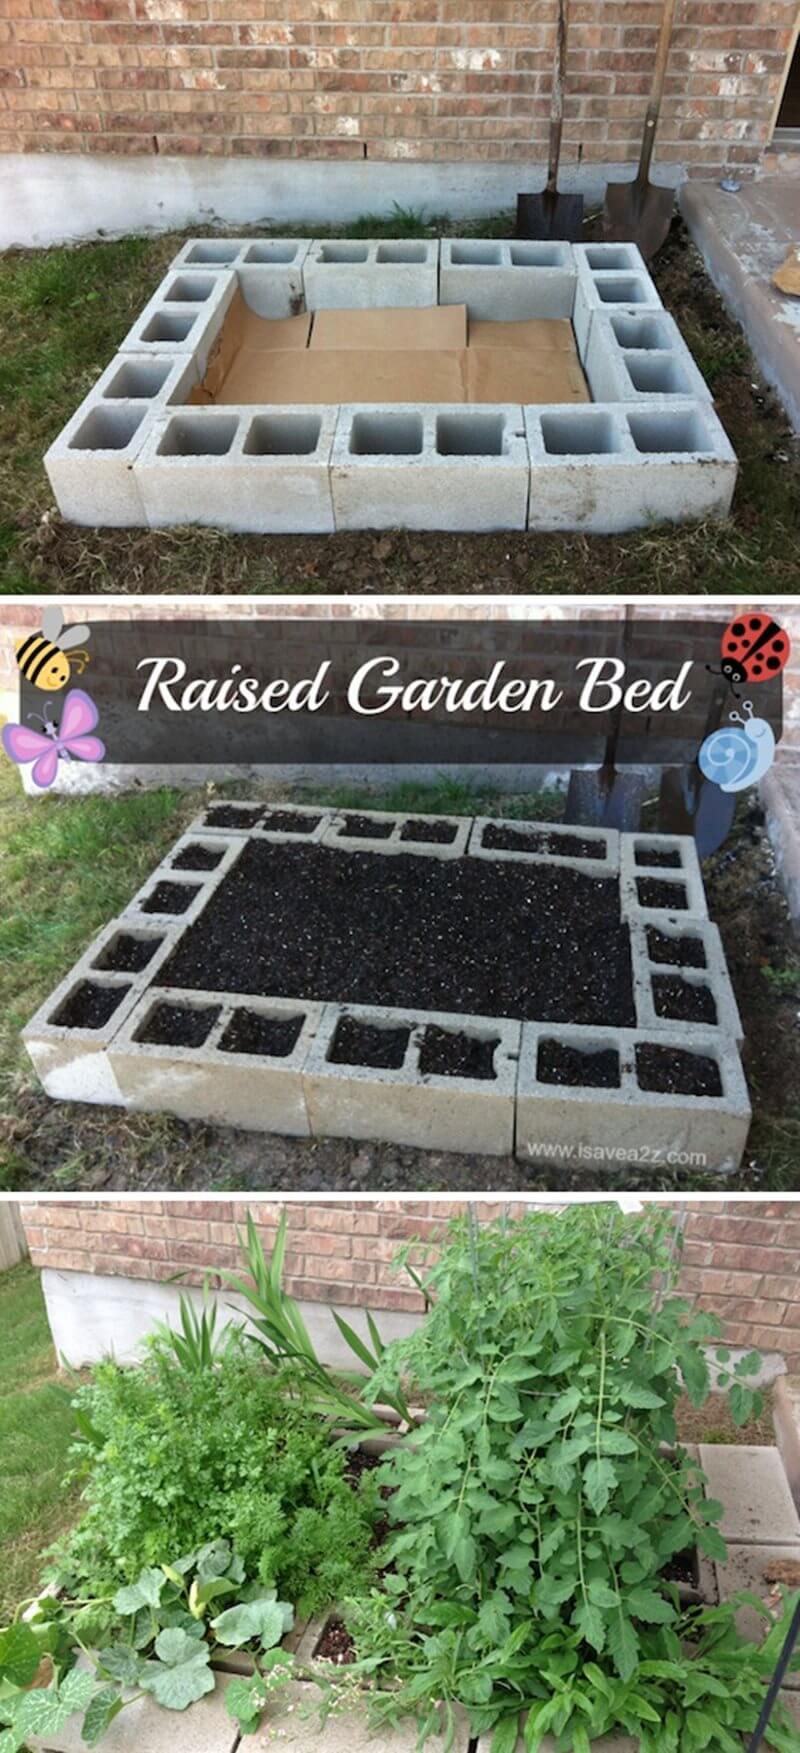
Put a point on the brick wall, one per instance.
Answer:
(741, 1259)
(386, 79)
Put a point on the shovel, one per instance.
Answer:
(602, 797)
(551, 214)
(641, 212)
(691, 804)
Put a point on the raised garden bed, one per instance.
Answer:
(452, 982)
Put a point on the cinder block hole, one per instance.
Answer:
(170, 898)
(364, 828)
(213, 252)
(644, 334)
(673, 432)
(657, 892)
(231, 815)
(675, 952)
(454, 1053)
(617, 290)
(169, 325)
(536, 255)
(190, 289)
(590, 433)
(673, 1071)
(401, 252)
(198, 857)
(288, 822)
(470, 435)
(277, 435)
(386, 435)
(475, 255)
(658, 857)
(187, 437)
(595, 1068)
(435, 833)
(380, 1045)
(128, 952)
(88, 1006)
(685, 1001)
(663, 376)
(271, 252)
(178, 1025)
(273, 1037)
(140, 381)
(344, 252)
(609, 255)
(107, 429)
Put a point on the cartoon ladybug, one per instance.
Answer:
(754, 649)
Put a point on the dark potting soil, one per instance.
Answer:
(658, 860)
(679, 999)
(363, 828)
(464, 934)
(653, 893)
(89, 1006)
(359, 1043)
(497, 839)
(250, 1032)
(680, 1568)
(675, 952)
(170, 898)
(435, 833)
(336, 1644)
(359, 1462)
(179, 1025)
(286, 822)
(231, 815)
(672, 1071)
(559, 1063)
(128, 954)
(445, 1054)
(197, 858)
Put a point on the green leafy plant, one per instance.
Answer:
(199, 1345)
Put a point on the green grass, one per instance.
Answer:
(36, 1428)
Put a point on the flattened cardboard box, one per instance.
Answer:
(440, 327)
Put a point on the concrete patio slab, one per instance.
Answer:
(780, 795)
(751, 1483)
(293, 1723)
(205, 1728)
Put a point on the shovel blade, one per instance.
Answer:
(636, 215)
(548, 215)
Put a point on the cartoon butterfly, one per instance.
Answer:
(69, 739)
(754, 649)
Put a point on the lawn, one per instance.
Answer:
(63, 313)
(67, 866)
(36, 1429)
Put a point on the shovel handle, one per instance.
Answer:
(557, 99)
(656, 91)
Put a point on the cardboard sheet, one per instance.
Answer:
(440, 328)
(538, 333)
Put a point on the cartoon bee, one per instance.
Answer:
(42, 658)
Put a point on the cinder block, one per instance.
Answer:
(743, 1573)
(612, 466)
(507, 282)
(221, 1083)
(549, 843)
(634, 355)
(72, 1060)
(653, 889)
(786, 1418)
(206, 1727)
(654, 1009)
(269, 269)
(367, 274)
(610, 277)
(184, 315)
(596, 1126)
(159, 901)
(90, 464)
(260, 819)
(292, 1721)
(261, 471)
(395, 832)
(433, 468)
(750, 1481)
(403, 1104)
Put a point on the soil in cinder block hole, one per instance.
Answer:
(664, 860)
(448, 934)
(672, 1071)
(250, 1032)
(675, 952)
(286, 822)
(679, 999)
(128, 954)
(170, 898)
(653, 893)
(360, 1043)
(445, 1054)
(497, 839)
(362, 828)
(179, 1025)
(680, 1568)
(197, 858)
(231, 815)
(89, 1006)
(336, 1644)
(559, 1063)
(435, 833)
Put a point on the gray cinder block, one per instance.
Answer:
(610, 277)
(445, 468)
(266, 471)
(612, 466)
(541, 843)
(396, 832)
(269, 270)
(637, 354)
(650, 967)
(90, 464)
(367, 274)
(640, 869)
(508, 282)
(184, 315)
